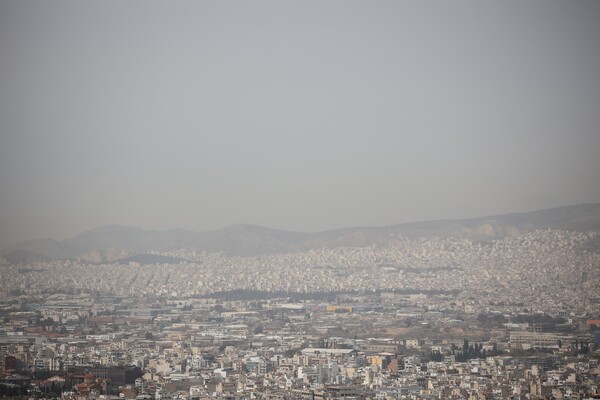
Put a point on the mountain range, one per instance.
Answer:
(114, 242)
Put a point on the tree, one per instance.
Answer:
(218, 308)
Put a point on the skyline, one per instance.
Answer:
(232, 239)
(296, 116)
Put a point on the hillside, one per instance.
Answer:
(114, 242)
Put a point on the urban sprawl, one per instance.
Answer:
(420, 318)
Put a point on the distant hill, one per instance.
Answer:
(38, 250)
(114, 242)
(149, 259)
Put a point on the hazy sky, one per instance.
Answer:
(305, 115)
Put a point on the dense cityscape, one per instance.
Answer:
(420, 318)
(299, 200)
